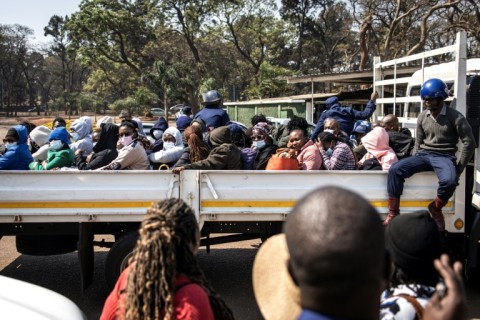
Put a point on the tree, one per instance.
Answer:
(13, 53)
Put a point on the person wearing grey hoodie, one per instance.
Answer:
(224, 155)
(80, 131)
(172, 149)
(39, 139)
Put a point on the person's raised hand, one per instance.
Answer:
(374, 96)
(452, 306)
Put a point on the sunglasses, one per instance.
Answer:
(258, 137)
(128, 134)
(8, 140)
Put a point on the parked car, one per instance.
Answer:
(146, 128)
(23, 300)
(158, 112)
(34, 109)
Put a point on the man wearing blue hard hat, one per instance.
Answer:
(439, 128)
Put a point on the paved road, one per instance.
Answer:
(227, 266)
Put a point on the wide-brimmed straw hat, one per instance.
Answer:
(277, 295)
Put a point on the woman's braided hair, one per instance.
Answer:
(163, 251)
(198, 149)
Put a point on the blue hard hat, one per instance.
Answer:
(434, 88)
(211, 97)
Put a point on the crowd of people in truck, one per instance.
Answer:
(334, 279)
(342, 140)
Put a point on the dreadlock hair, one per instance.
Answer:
(162, 252)
(198, 149)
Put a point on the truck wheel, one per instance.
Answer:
(118, 256)
(46, 245)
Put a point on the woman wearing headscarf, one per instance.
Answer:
(196, 149)
(172, 149)
(60, 155)
(377, 144)
(80, 131)
(224, 155)
(104, 152)
(256, 157)
(39, 141)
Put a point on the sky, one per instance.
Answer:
(35, 14)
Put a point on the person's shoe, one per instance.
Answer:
(435, 209)
(393, 210)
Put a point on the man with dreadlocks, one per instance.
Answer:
(164, 279)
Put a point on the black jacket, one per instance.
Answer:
(262, 157)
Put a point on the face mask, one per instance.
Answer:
(75, 136)
(125, 140)
(329, 152)
(168, 145)
(260, 144)
(9, 145)
(329, 131)
(157, 134)
(56, 145)
(94, 144)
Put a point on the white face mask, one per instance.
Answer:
(9, 145)
(329, 131)
(125, 141)
(259, 144)
(94, 144)
(75, 136)
(168, 145)
(56, 145)
(157, 134)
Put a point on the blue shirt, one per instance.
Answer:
(213, 116)
(312, 315)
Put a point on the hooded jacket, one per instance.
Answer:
(224, 155)
(83, 127)
(345, 116)
(104, 152)
(376, 143)
(57, 158)
(17, 157)
(172, 155)
(40, 135)
(161, 125)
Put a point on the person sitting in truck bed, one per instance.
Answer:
(157, 132)
(164, 279)
(336, 155)
(80, 131)
(439, 130)
(196, 149)
(172, 149)
(399, 139)
(224, 155)
(17, 155)
(60, 155)
(131, 154)
(104, 152)
(379, 155)
(308, 155)
(256, 157)
(345, 116)
(39, 142)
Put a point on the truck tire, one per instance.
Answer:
(117, 257)
(46, 245)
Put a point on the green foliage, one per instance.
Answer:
(145, 98)
(89, 102)
(129, 104)
(271, 83)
